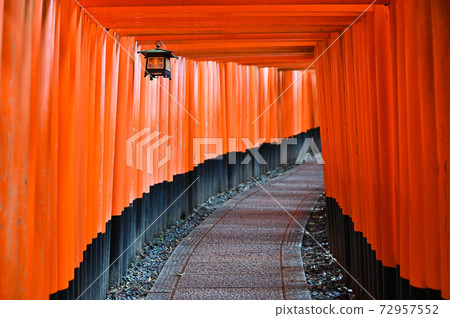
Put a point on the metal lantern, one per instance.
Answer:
(157, 61)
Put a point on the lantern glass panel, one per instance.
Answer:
(167, 63)
(155, 63)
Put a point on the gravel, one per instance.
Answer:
(323, 275)
(146, 266)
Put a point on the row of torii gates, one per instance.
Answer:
(372, 75)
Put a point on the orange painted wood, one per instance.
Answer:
(170, 9)
(383, 136)
(441, 44)
(269, 36)
(114, 3)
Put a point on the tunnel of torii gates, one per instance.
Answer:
(75, 106)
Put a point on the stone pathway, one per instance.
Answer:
(249, 248)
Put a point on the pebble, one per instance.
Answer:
(323, 275)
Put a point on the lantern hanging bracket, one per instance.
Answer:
(159, 43)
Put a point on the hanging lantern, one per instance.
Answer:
(157, 61)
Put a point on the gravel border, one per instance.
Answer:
(146, 266)
(323, 275)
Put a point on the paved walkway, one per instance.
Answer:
(249, 248)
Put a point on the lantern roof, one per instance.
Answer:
(158, 52)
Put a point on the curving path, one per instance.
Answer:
(249, 248)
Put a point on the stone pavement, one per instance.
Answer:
(249, 248)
